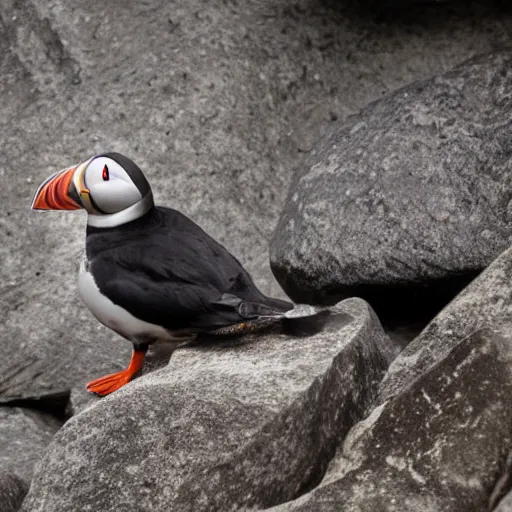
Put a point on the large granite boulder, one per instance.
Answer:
(228, 424)
(441, 445)
(407, 200)
(24, 435)
(12, 491)
(217, 102)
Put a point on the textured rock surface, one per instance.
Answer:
(243, 422)
(24, 434)
(441, 436)
(501, 497)
(505, 505)
(12, 492)
(216, 101)
(439, 446)
(413, 190)
(486, 302)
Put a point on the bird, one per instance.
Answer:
(149, 273)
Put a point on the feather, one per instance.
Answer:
(164, 269)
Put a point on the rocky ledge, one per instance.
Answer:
(227, 424)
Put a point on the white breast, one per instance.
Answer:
(113, 316)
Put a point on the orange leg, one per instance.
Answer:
(106, 385)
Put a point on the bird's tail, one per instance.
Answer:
(247, 309)
(274, 308)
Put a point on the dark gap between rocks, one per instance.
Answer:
(411, 13)
(53, 403)
(403, 311)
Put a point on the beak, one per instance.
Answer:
(58, 192)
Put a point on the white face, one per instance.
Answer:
(111, 188)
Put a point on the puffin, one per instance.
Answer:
(149, 273)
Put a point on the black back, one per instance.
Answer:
(164, 269)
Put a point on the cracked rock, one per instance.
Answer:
(415, 189)
(440, 438)
(438, 446)
(241, 422)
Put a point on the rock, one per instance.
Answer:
(229, 423)
(157, 357)
(24, 434)
(487, 301)
(217, 105)
(505, 505)
(501, 494)
(12, 491)
(440, 438)
(403, 203)
(438, 446)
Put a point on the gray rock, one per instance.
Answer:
(157, 357)
(439, 446)
(407, 199)
(440, 437)
(486, 302)
(216, 103)
(501, 495)
(505, 505)
(12, 491)
(249, 421)
(24, 435)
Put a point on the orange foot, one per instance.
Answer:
(110, 383)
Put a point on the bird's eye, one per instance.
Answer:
(105, 174)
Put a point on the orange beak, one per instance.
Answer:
(56, 193)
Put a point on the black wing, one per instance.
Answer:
(168, 271)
